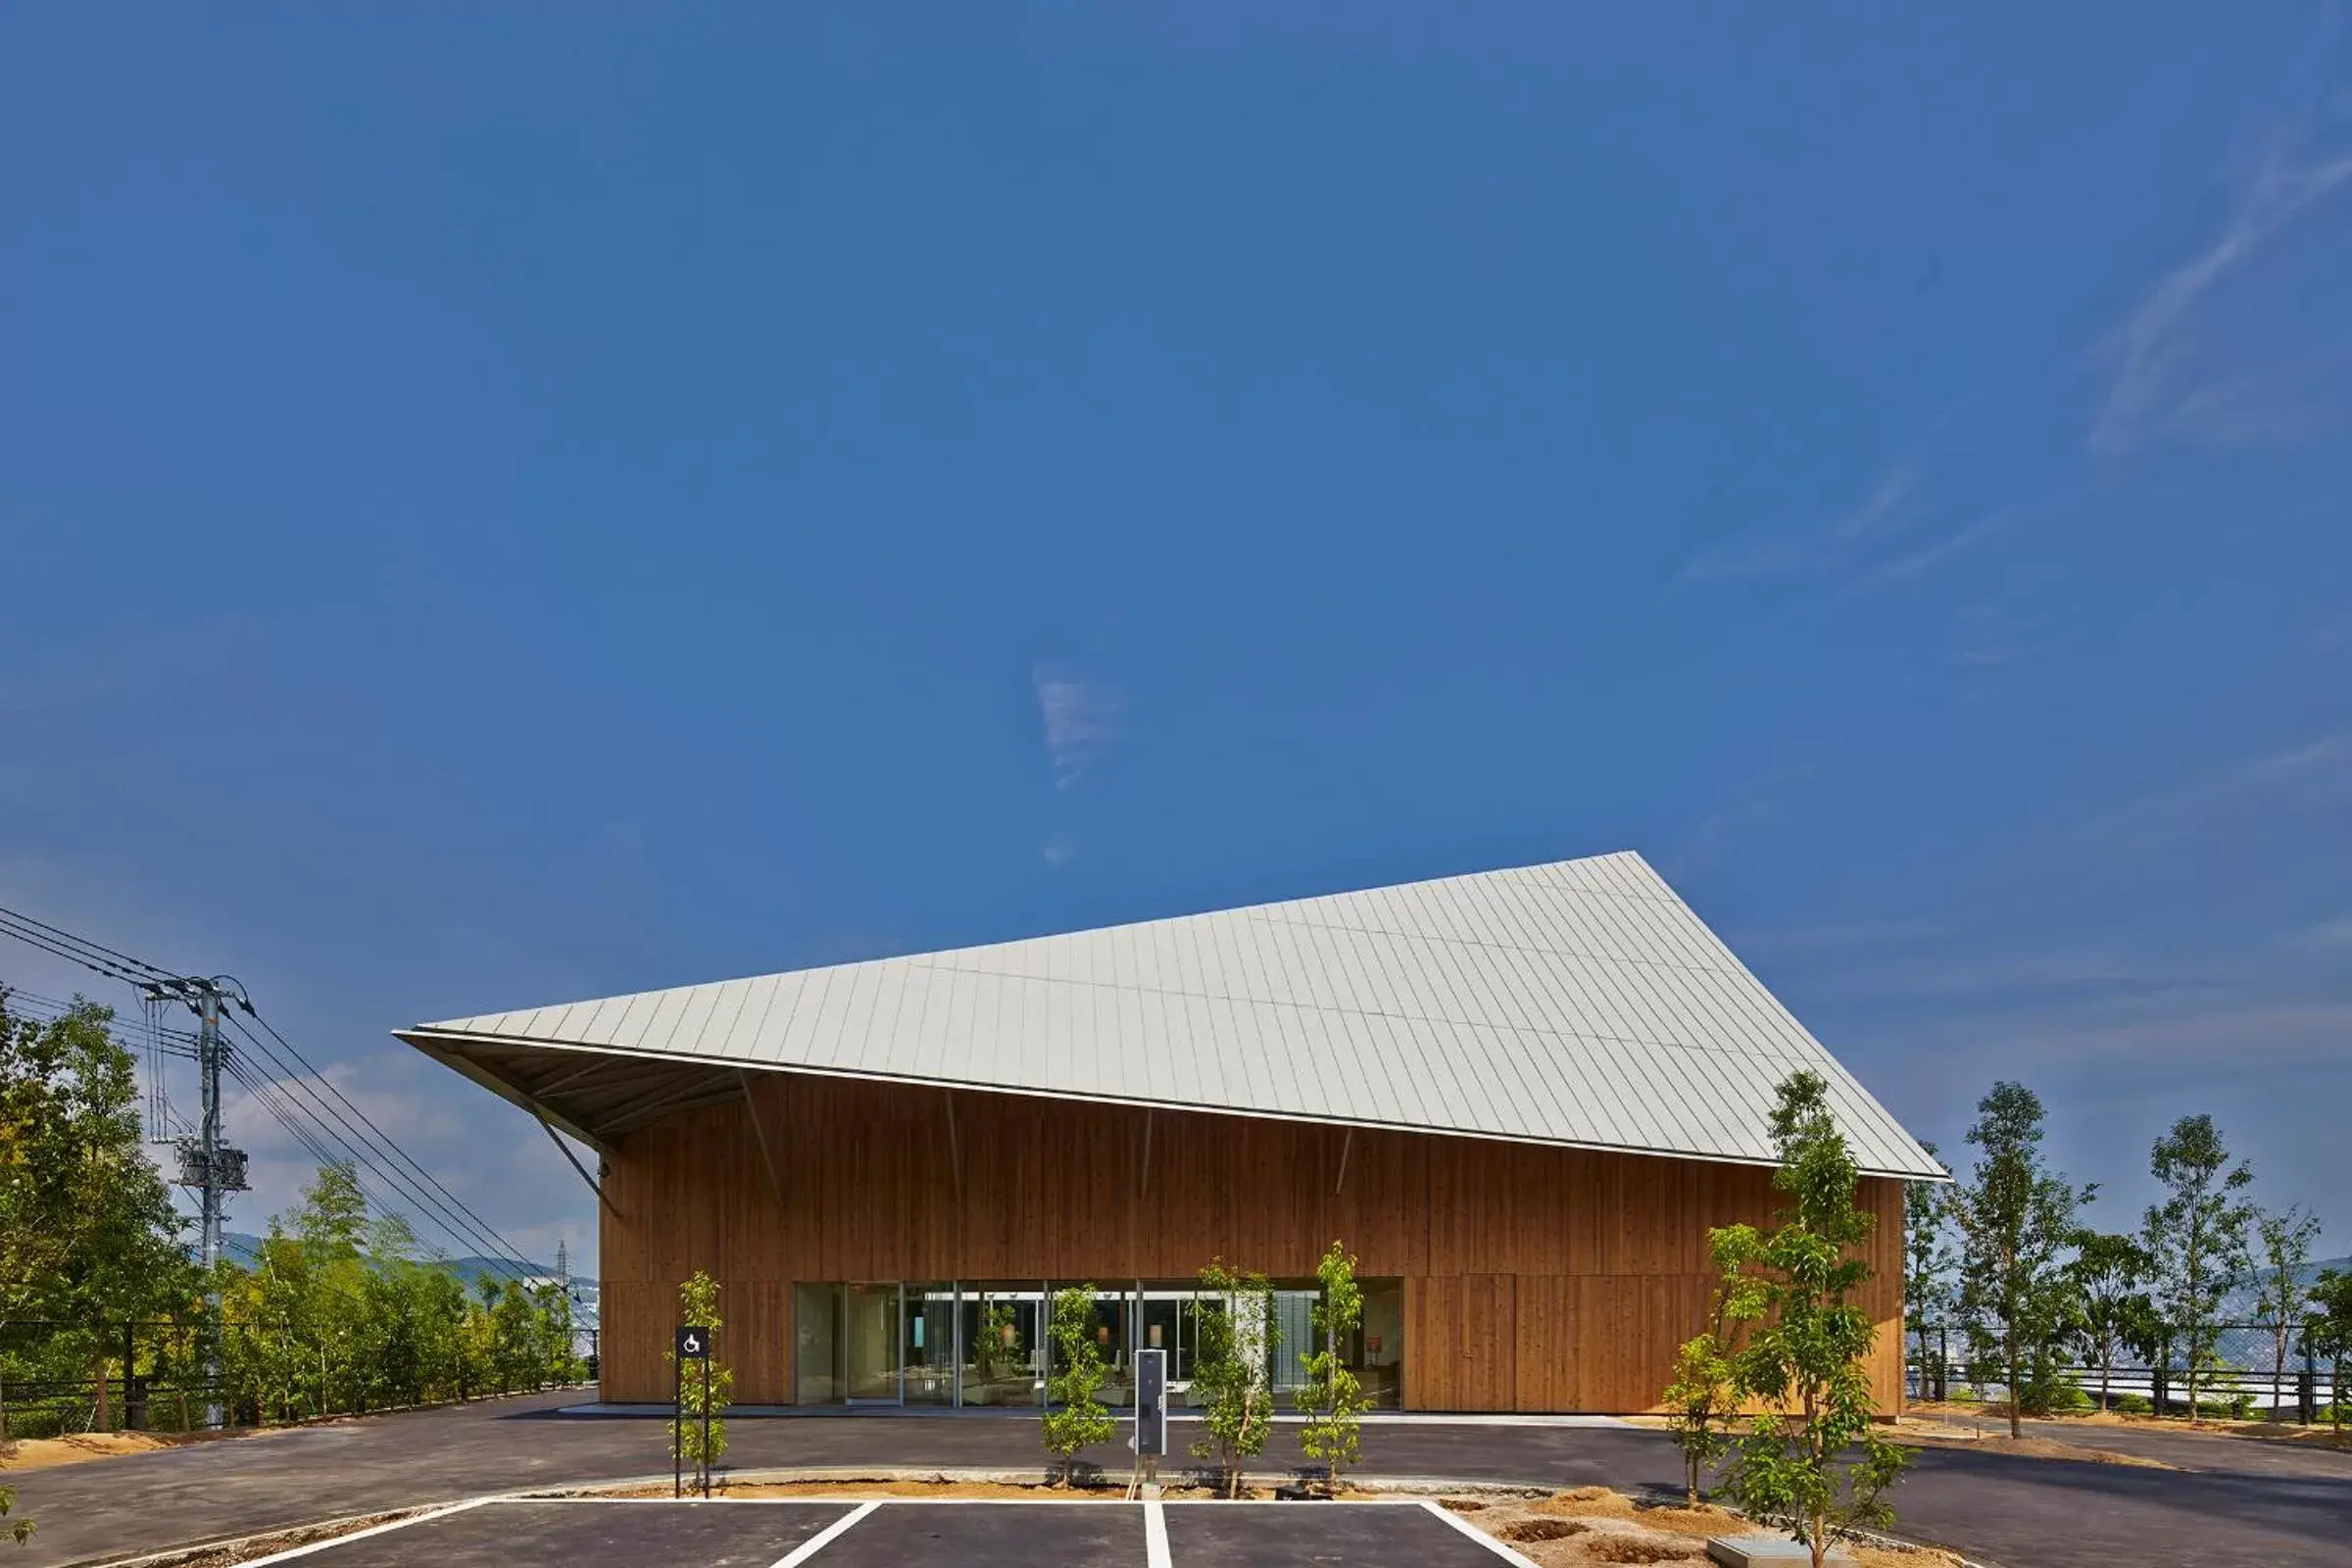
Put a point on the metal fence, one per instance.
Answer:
(153, 1382)
(2247, 1383)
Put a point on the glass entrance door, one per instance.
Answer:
(871, 1339)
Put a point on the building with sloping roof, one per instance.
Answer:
(1520, 1099)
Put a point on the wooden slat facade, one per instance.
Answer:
(1536, 1279)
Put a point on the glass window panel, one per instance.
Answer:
(929, 1349)
(816, 1335)
(871, 1335)
(1000, 1347)
(1378, 1349)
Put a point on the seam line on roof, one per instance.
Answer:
(1431, 1018)
(1507, 947)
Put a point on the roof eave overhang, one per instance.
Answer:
(449, 1046)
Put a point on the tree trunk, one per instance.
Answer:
(102, 1420)
(2106, 1378)
(2279, 1368)
(2017, 1393)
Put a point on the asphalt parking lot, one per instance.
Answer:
(629, 1533)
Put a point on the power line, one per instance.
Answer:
(460, 1224)
(446, 1211)
(482, 1225)
(180, 1042)
(270, 1099)
(59, 934)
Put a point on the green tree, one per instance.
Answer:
(2014, 1218)
(1076, 1419)
(1235, 1335)
(1806, 1361)
(2329, 1333)
(87, 1232)
(2112, 1312)
(1333, 1396)
(2284, 1237)
(1705, 1394)
(21, 1529)
(701, 1394)
(2197, 1237)
(1929, 1299)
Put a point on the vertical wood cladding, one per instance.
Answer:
(1536, 1279)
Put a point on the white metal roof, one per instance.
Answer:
(1579, 1002)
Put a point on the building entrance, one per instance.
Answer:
(965, 1342)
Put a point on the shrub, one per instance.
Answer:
(2134, 1404)
(1231, 1386)
(1079, 1420)
(1333, 1398)
(1704, 1395)
(2067, 1394)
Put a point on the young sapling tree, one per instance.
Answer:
(1077, 1419)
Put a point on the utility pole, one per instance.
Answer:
(210, 1166)
(208, 1065)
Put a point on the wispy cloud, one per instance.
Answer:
(2309, 774)
(2166, 382)
(2329, 936)
(1749, 808)
(1881, 504)
(1890, 536)
(1815, 551)
(1080, 720)
(1059, 850)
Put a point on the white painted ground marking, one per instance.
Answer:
(292, 1553)
(1477, 1535)
(824, 1538)
(1155, 1536)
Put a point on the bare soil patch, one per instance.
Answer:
(2026, 1448)
(1626, 1546)
(1592, 1525)
(41, 1454)
(2293, 1434)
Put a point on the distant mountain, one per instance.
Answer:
(2241, 1304)
(241, 1247)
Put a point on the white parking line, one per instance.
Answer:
(1477, 1535)
(1155, 1536)
(824, 1538)
(291, 1552)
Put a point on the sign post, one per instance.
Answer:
(693, 1344)
(1150, 1417)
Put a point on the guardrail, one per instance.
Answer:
(2245, 1383)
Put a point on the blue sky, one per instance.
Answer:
(510, 507)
